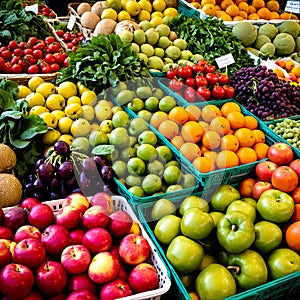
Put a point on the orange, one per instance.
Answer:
(192, 131)
(204, 149)
(243, 14)
(238, 18)
(251, 122)
(285, 16)
(158, 117)
(274, 15)
(236, 120)
(245, 136)
(177, 141)
(273, 5)
(229, 107)
(194, 112)
(209, 9)
(219, 13)
(258, 3)
(226, 3)
(251, 10)
(246, 155)
(225, 17)
(240, 1)
(261, 150)
(168, 129)
(289, 65)
(203, 164)
(178, 114)
(278, 72)
(264, 13)
(232, 10)
(246, 187)
(229, 142)
(292, 236)
(211, 154)
(243, 6)
(203, 2)
(211, 140)
(253, 16)
(259, 135)
(209, 112)
(227, 159)
(296, 215)
(220, 125)
(190, 150)
(296, 71)
(204, 125)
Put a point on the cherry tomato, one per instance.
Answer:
(190, 82)
(6, 54)
(15, 59)
(203, 93)
(201, 81)
(202, 62)
(33, 69)
(54, 47)
(50, 39)
(30, 59)
(46, 69)
(24, 65)
(16, 69)
(60, 32)
(18, 52)
(66, 62)
(209, 69)
(3, 48)
(7, 67)
(67, 37)
(43, 64)
(74, 48)
(229, 91)
(32, 40)
(218, 92)
(59, 58)
(28, 51)
(175, 85)
(185, 72)
(12, 45)
(54, 67)
(49, 58)
(190, 94)
(212, 78)
(39, 46)
(38, 53)
(223, 79)
(22, 45)
(197, 68)
(2, 63)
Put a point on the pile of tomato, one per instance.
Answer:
(33, 56)
(43, 9)
(71, 39)
(200, 82)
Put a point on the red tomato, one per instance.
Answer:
(197, 68)
(229, 91)
(7, 67)
(190, 82)
(60, 32)
(2, 63)
(12, 45)
(54, 67)
(59, 58)
(201, 81)
(209, 69)
(46, 69)
(39, 46)
(67, 37)
(22, 45)
(24, 65)
(218, 92)
(185, 72)
(27, 51)
(175, 85)
(190, 94)
(223, 79)
(66, 62)
(18, 52)
(32, 41)
(49, 58)
(30, 59)
(33, 69)
(16, 69)
(6, 54)
(171, 73)
(54, 47)
(15, 60)
(203, 93)
(212, 78)
(50, 39)
(38, 53)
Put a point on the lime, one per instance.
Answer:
(120, 119)
(137, 191)
(136, 166)
(164, 152)
(172, 175)
(151, 184)
(146, 152)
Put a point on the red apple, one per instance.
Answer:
(95, 216)
(29, 203)
(5, 255)
(78, 201)
(34, 295)
(82, 294)
(265, 169)
(41, 216)
(295, 165)
(103, 199)
(284, 179)
(246, 187)
(280, 153)
(143, 277)
(119, 223)
(29, 252)
(50, 278)
(16, 281)
(97, 240)
(76, 236)
(259, 187)
(69, 217)
(27, 231)
(6, 233)
(117, 288)
(60, 296)
(1, 215)
(55, 239)
(104, 267)
(9, 245)
(75, 259)
(134, 249)
(123, 273)
(81, 282)
(296, 195)
(15, 217)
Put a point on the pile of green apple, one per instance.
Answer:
(228, 244)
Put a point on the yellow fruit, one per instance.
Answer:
(58, 113)
(109, 13)
(34, 82)
(23, 91)
(55, 101)
(123, 15)
(156, 21)
(35, 99)
(159, 5)
(88, 98)
(64, 125)
(66, 138)
(157, 14)
(133, 8)
(145, 4)
(74, 99)
(144, 15)
(46, 89)
(81, 88)
(51, 136)
(80, 127)
(170, 12)
(38, 109)
(49, 119)
(67, 89)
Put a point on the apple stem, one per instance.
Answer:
(235, 269)
(234, 227)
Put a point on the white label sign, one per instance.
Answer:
(71, 22)
(225, 60)
(34, 8)
(293, 6)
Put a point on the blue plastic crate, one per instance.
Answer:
(188, 10)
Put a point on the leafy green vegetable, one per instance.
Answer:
(103, 62)
(211, 38)
(18, 129)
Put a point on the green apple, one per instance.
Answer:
(147, 137)
(161, 208)
(167, 228)
(165, 153)
(137, 126)
(151, 184)
(193, 201)
(184, 254)
(251, 201)
(223, 196)
(216, 215)
(136, 166)
(244, 207)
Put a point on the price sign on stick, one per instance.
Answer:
(34, 8)
(71, 22)
(293, 6)
(225, 60)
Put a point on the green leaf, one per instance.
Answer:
(32, 125)
(103, 149)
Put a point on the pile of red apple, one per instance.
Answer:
(86, 250)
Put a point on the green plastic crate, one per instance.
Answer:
(277, 289)
(188, 10)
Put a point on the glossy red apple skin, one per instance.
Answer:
(134, 249)
(75, 259)
(29, 252)
(259, 187)
(119, 223)
(295, 165)
(60, 296)
(27, 231)
(284, 179)
(103, 199)
(97, 240)
(143, 277)
(6, 233)
(15, 217)
(103, 267)
(81, 282)
(69, 217)
(50, 278)
(41, 216)
(265, 169)
(296, 195)
(76, 236)
(29, 203)
(55, 239)
(78, 201)
(16, 281)
(117, 288)
(5, 255)
(280, 153)
(33, 295)
(82, 294)
(95, 216)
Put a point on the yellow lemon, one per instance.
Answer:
(123, 15)
(74, 99)
(80, 127)
(46, 89)
(170, 12)
(145, 4)
(49, 119)
(159, 5)
(51, 136)
(64, 125)
(58, 113)
(133, 8)
(66, 138)
(34, 82)
(144, 15)
(156, 21)
(88, 98)
(109, 13)
(38, 109)
(157, 14)
(35, 99)
(67, 89)
(23, 91)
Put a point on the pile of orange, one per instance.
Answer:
(292, 68)
(213, 137)
(238, 10)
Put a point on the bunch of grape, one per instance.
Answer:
(64, 172)
(264, 94)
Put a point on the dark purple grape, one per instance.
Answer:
(29, 187)
(62, 148)
(46, 172)
(38, 185)
(39, 162)
(72, 183)
(107, 174)
(107, 189)
(54, 196)
(85, 182)
(66, 170)
(100, 160)
(89, 165)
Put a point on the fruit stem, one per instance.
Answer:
(234, 227)
(235, 269)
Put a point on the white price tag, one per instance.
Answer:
(71, 22)
(293, 6)
(225, 60)
(34, 8)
